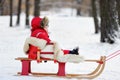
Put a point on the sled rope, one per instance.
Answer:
(112, 55)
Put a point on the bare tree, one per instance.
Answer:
(108, 21)
(118, 10)
(36, 7)
(94, 13)
(78, 7)
(11, 3)
(19, 11)
(27, 13)
(1, 6)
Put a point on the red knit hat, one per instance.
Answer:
(35, 23)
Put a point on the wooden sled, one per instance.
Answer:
(26, 66)
(26, 70)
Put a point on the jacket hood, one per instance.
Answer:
(35, 23)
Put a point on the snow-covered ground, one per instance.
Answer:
(69, 32)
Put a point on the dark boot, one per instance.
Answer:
(45, 61)
(74, 51)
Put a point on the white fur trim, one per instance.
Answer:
(41, 43)
(56, 49)
(63, 58)
(71, 58)
(50, 56)
(66, 58)
(48, 48)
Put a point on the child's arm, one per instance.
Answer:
(45, 37)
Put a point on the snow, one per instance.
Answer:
(69, 32)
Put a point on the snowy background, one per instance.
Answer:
(69, 32)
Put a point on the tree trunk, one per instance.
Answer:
(94, 13)
(78, 12)
(103, 19)
(36, 8)
(108, 21)
(11, 3)
(19, 11)
(78, 8)
(1, 7)
(118, 10)
(27, 13)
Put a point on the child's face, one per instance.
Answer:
(46, 28)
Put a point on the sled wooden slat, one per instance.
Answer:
(98, 70)
(25, 58)
(36, 73)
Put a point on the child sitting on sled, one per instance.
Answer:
(40, 38)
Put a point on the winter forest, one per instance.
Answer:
(105, 13)
(91, 25)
